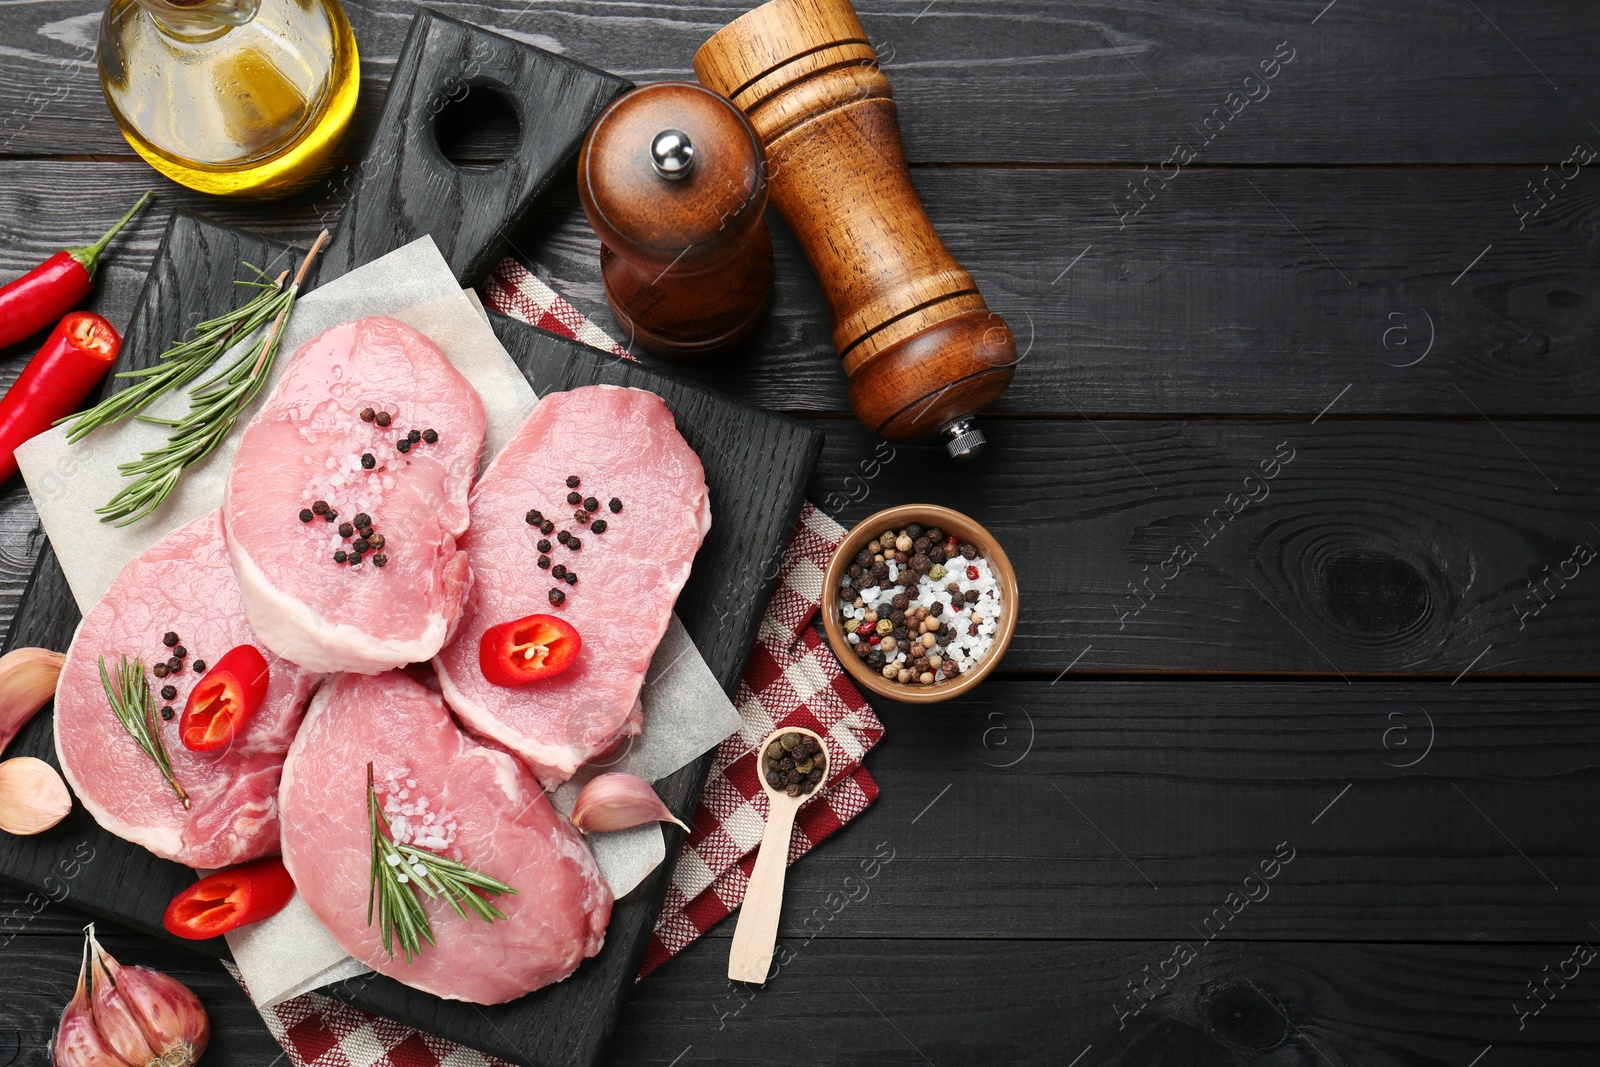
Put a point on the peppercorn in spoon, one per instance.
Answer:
(793, 764)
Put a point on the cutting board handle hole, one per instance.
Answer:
(480, 130)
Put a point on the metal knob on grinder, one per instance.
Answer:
(923, 351)
(673, 179)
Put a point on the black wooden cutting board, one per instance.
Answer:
(756, 466)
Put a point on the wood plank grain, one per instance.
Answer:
(1334, 547)
(1216, 300)
(1089, 809)
(1047, 1003)
(1023, 80)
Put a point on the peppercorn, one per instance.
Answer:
(346, 530)
(934, 534)
(544, 563)
(361, 544)
(355, 559)
(559, 571)
(376, 540)
(320, 507)
(557, 597)
(573, 482)
(169, 692)
(921, 564)
(615, 505)
(937, 571)
(383, 418)
(855, 570)
(875, 659)
(899, 601)
(362, 520)
(179, 651)
(379, 560)
(199, 666)
(574, 499)
(535, 517)
(880, 570)
(921, 544)
(914, 530)
(547, 527)
(367, 414)
(581, 516)
(330, 515)
(863, 558)
(174, 665)
(897, 618)
(971, 596)
(936, 555)
(430, 436)
(936, 608)
(368, 460)
(968, 550)
(598, 526)
(170, 638)
(167, 713)
(563, 537)
(306, 515)
(543, 545)
(414, 436)
(340, 556)
(953, 588)
(574, 544)
(403, 445)
(591, 504)
(572, 577)
(159, 670)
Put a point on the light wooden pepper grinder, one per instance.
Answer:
(673, 180)
(923, 351)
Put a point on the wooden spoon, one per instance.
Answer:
(753, 939)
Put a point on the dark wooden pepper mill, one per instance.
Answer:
(673, 180)
(922, 349)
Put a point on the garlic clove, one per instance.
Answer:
(129, 1015)
(33, 797)
(617, 801)
(27, 682)
(77, 1043)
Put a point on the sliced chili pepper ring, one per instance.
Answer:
(222, 702)
(528, 649)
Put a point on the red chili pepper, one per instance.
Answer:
(74, 358)
(972, 574)
(539, 646)
(229, 899)
(54, 287)
(224, 700)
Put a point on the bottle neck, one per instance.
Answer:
(200, 20)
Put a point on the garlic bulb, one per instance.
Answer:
(122, 1016)
(617, 801)
(27, 681)
(33, 797)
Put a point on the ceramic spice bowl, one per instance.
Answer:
(990, 562)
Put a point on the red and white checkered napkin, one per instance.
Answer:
(792, 679)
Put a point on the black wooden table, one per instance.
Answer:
(1294, 759)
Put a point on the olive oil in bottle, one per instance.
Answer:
(231, 97)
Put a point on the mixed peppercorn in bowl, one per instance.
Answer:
(919, 603)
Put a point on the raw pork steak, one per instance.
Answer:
(308, 444)
(183, 583)
(453, 796)
(621, 444)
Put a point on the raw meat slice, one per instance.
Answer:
(454, 796)
(183, 583)
(308, 443)
(621, 444)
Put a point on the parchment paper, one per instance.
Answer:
(685, 712)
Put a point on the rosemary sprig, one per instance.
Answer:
(129, 695)
(214, 408)
(398, 871)
(184, 361)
